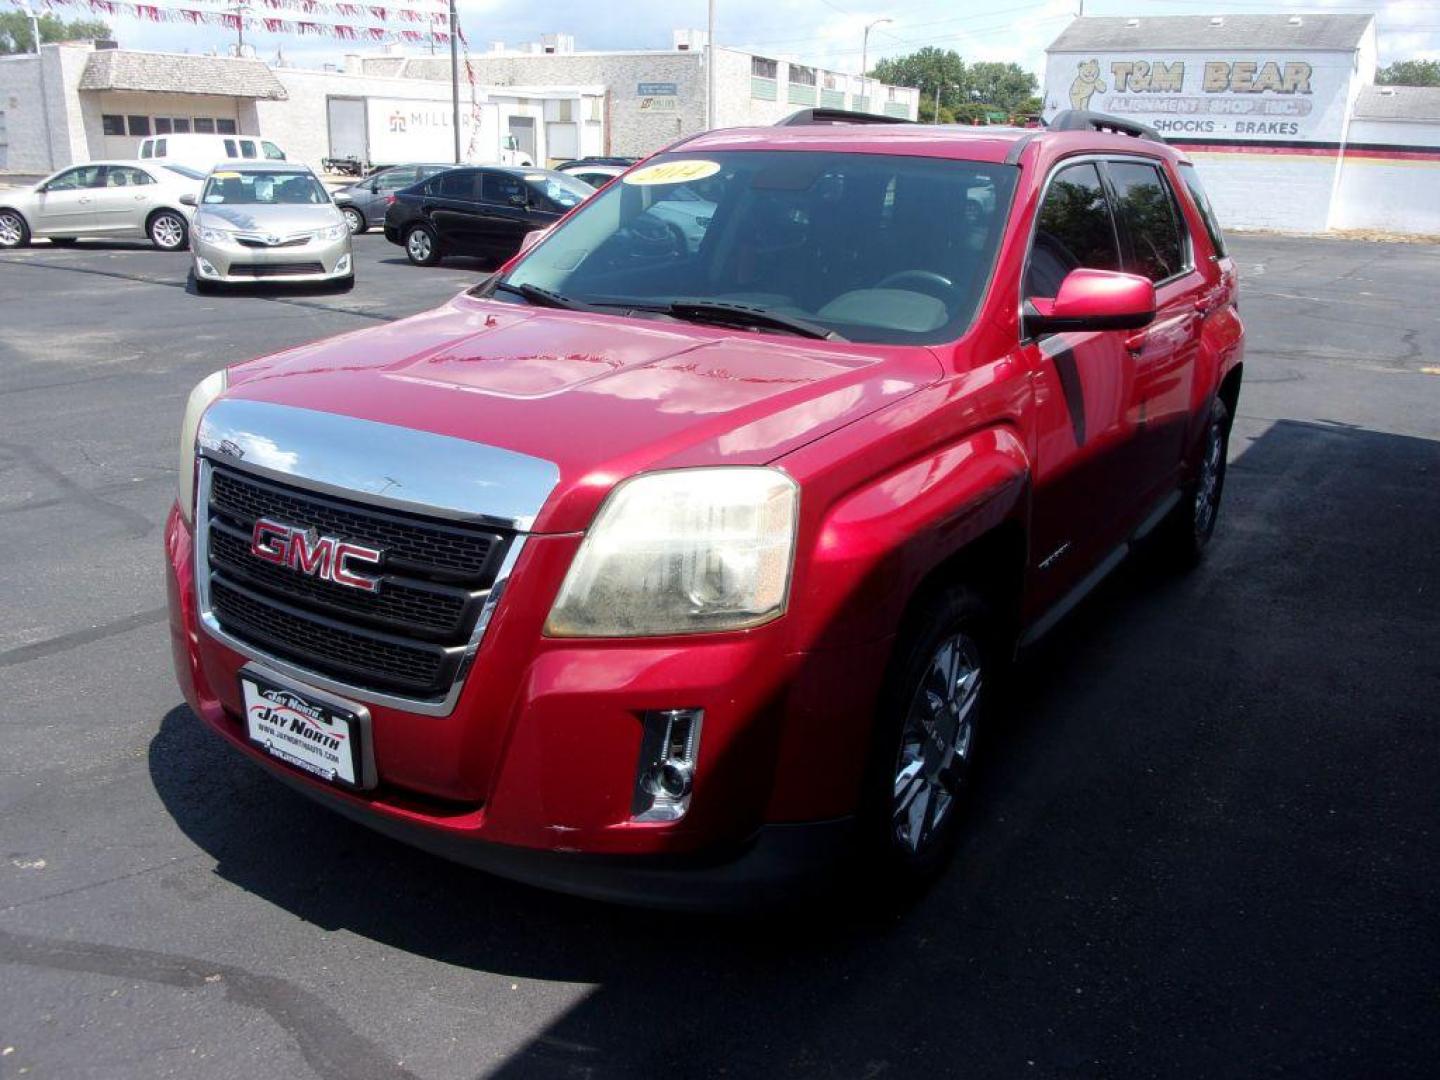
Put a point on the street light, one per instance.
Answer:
(865, 53)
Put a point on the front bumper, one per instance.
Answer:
(533, 773)
(231, 262)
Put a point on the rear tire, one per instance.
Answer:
(942, 675)
(14, 233)
(168, 230)
(421, 245)
(1186, 532)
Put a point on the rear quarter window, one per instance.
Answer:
(1191, 176)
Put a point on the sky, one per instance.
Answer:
(827, 33)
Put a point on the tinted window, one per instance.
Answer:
(230, 150)
(1148, 216)
(126, 176)
(503, 189)
(1207, 212)
(456, 185)
(247, 148)
(113, 125)
(1074, 230)
(877, 248)
(86, 176)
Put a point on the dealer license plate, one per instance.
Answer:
(317, 736)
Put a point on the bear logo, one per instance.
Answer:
(1086, 84)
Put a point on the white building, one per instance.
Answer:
(1279, 110)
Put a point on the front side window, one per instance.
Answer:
(502, 189)
(871, 247)
(1202, 203)
(557, 193)
(1149, 219)
(1074, 230)
(261, 188)
(126, 176)
(85, 176)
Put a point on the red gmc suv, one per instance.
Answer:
(675, 562)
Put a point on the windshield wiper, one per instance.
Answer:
(543, 297)
(725, 312)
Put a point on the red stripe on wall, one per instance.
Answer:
(1371, 153)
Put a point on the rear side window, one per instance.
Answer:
(457, 185)
(1207, 212)
(147, 149)
(1149, 218)
(247, 148)
(159, 147)
(230, 150)
(1074, 231)
(395, 179)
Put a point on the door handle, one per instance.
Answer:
(84, 199)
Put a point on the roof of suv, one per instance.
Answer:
(962, 142)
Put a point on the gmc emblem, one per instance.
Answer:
(319, 556)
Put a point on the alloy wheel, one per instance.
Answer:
(1207, 488)
(168, 232)
(11, 230)
(935, 742)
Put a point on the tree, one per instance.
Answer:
(967, 92)
(15, 36)
(1410, 73)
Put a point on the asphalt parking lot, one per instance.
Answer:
(1206, 841)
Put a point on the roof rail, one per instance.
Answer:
(837, 116)
(1082, 120)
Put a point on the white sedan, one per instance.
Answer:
(104, 199)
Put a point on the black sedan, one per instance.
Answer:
(484, 211)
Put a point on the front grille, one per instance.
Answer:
(408, 637)
(251, 242)
(276, 269)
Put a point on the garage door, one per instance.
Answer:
(347, 128)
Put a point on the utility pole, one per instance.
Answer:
(455, 76)
(710, 67)
(239, 9)
(44, 97)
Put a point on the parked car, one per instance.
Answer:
(364, 203)
(484, 212)
(204, 152)
(269, 222)
(597, 172)
(684, 575)
(104, 199)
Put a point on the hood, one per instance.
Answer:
(602, 397)
(282, 219)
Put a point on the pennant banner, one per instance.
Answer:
(302, 28)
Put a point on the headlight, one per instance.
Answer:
(208, 389)
(683, 552)
(214, 236)
(334, 232)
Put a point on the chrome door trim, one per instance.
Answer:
(381, 464)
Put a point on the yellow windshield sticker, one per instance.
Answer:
(226, 175)
(673, 172)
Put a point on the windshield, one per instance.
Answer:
(560, 190)
(876, 248)
(188, 173)
(263, 189)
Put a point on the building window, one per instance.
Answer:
(802, 76)
(114, 125)
(182, 125)
(761, 68)
(224, 126)
(162, 125)
(204, 125)
(139, 125)
(565, 111)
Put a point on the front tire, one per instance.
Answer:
(1187, 531)
(421, 246)
(14, 233)
(168, 231)
(354, 219)
(933, 705)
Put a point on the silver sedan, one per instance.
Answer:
(104, 199)
(268, 222)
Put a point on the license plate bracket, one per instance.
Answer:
(316, 732)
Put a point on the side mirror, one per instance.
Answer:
(189, 200)
(1093, 300)
(533, 237)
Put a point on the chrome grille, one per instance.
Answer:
(409, 637)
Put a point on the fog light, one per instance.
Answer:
(666, 771)
(343, 265)
(207, 270)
